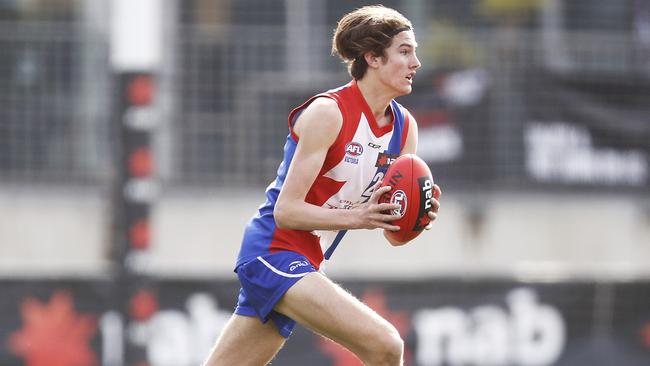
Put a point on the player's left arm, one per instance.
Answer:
(411, 143)
(411, 147)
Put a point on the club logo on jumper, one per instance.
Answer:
(374, 146)
(399, 197)
(384, 160)
(296, 264)
(352, 152)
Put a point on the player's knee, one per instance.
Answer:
(388, 349)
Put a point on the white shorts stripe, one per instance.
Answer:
(277, 271)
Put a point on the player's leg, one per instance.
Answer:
(326, 308)
(245, 341)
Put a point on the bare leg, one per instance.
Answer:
(321, 305)
(246, 341)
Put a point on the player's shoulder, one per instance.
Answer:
(321, 114)
(399, 107)
(325, 109)
(402, 113)
(324, 103)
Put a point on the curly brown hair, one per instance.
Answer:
(367, 29)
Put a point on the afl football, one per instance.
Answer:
(412, 189)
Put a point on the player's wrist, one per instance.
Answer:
(351, 220)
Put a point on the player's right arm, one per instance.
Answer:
(317, 129)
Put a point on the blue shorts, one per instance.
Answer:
(264, 280)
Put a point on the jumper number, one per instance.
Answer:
(365, 196)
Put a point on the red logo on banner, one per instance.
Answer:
(376, 300)
(53, 334)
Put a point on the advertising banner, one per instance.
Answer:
(444, 322)
(588, 130)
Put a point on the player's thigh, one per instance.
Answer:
(323, 306)
(246, 341)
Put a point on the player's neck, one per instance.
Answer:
(378, 100)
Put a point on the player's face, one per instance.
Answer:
(400, 62)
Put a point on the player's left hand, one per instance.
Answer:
(435, 206)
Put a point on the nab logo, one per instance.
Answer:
(426, 193)
(399, 197)
(384, 159)
(353, 149)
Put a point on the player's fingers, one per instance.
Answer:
(386, 207)
(387, 217)
(437, 192)
(435, 205)
(374, 198)
(393, 228)
(383, 217)
(387, 226)
(432, 215)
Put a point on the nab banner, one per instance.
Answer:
(588, 130)
(79, 323)
(444, 322)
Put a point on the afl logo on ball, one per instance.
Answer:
(353, 149)
(399, 197)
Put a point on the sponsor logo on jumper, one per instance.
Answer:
(346, 204)
(374, 146)
(342, 205)
(351, 160)
(399, 197)
(296, 264)
(384, 160)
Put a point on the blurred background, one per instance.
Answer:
(136, 140)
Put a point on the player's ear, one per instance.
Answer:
(372, 60)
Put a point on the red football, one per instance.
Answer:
(412, 184)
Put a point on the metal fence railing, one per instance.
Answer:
(231, 82)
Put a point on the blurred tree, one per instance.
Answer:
(450, 46)
(510, 9)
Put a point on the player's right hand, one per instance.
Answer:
(375, 215)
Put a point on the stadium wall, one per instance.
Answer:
(197, 234)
